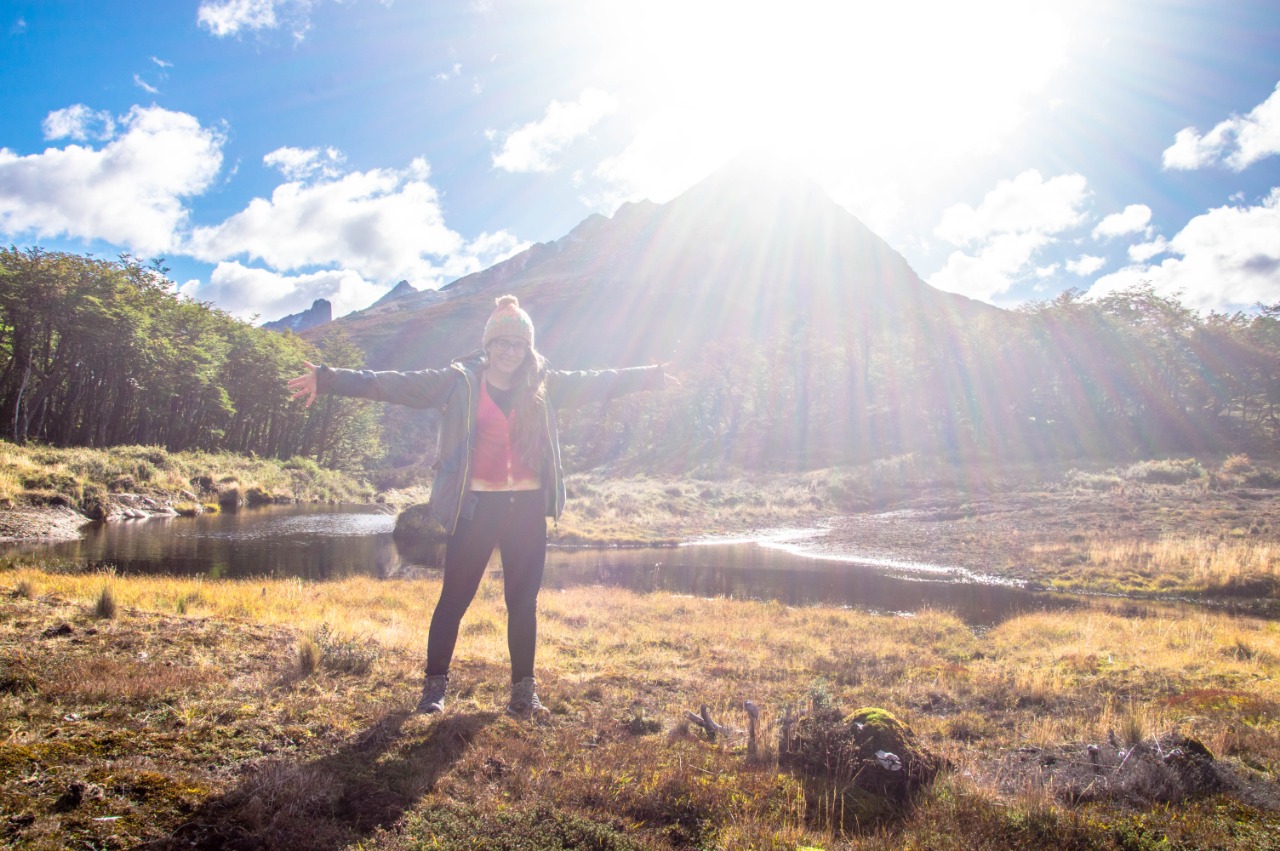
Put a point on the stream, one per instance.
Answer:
(321, 542)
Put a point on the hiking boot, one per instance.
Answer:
(432, 700)
(524, 701)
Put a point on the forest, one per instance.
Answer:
(103, 353)
(99, 353)
(1130, 375)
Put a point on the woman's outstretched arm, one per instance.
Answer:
(425, 388)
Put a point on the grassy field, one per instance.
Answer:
(84, 479)
(274, 714)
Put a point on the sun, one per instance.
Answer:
(889, 84)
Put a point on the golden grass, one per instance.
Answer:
(216, 685)
(1174, 563)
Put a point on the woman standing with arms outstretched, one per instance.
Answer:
(498, 475)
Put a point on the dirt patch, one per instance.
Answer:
(53, 523)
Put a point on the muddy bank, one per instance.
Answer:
(35, 524)
(63, 523)
(1039, 536)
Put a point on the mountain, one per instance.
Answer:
(320, 313)
(751, 252)
(401, 290)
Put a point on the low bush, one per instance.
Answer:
(1170, 471)
(1081, 480)
(337, 653)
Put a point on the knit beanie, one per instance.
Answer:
(508, 320)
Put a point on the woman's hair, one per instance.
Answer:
(529, 406)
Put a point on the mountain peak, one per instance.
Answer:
(755, 252)
(400, 290)
(320, 313)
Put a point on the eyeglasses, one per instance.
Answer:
(500, 345)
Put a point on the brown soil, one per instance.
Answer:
(1021, 535)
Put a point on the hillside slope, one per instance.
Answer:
(747, 253)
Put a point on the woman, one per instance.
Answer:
(498, 475)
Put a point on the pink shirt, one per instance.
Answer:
(496, 464)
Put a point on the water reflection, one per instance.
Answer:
(309, 541)
(750, 571)
(325, 542)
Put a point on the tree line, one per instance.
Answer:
(100, 352)
(1131, 374)
(97, 353)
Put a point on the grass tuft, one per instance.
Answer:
(339, 654)
(105, 605)
(309, 655)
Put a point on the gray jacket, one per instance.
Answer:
(454, 391)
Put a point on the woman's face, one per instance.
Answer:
(506, 354)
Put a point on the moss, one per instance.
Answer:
(869, 761)
(16, 758)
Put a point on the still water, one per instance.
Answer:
(326, 542)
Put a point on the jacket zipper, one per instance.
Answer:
(466, 470)
(555, 461)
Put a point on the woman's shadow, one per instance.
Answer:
(329, 802)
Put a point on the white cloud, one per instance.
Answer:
(383, 225)
(1085, 265)
(995, 268)
(128, 193)
(247, 292)
(303, 163)
(1026, 204)
(231, 17)
(1191, 151)
(1237, 142)
(534, 146)
(80, 123)
(455, 71)
(1135, 219)
(144, 85)
(162, 63)
(1016, 220)
(1144, 251)
(1228, 258)
(19, 27)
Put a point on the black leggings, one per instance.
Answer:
(516, 523)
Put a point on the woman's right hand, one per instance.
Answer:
(305, 386)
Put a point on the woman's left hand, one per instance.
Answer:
(305, 386)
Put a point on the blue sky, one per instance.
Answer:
(278, 151)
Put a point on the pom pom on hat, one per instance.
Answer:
(509, 320)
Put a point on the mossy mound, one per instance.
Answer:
(866, 766)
